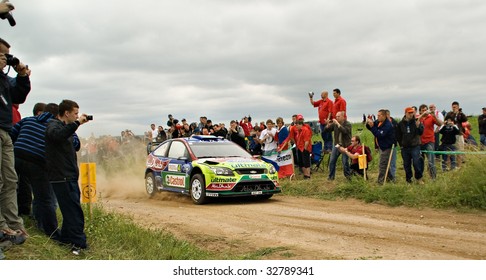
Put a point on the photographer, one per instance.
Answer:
(63, 172)
(12, 90)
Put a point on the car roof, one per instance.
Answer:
(205, 138)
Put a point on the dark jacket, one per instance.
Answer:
(458, 119)
(482, 124)
(449, 133)
(28, 136)
(408, 134)
(342, 133)
(238, 137)
(384, 134)
(61, 151)
(12, 90)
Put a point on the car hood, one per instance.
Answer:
(234, 162)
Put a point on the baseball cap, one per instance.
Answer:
(409, 110)
(299, 117)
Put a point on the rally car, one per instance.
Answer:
(207, 166)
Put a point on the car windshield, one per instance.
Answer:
(218, 149)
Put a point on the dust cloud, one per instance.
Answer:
(120, 170)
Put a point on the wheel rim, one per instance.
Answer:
(149, 184)
(196, 189)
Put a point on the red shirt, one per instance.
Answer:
(353, 150)
(304, 135)
(339, 105)
(325, 107)
(428, 135)
(247, 127)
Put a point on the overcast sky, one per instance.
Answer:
(131, 63)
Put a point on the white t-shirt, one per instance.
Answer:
(155, 132)
(269, 143)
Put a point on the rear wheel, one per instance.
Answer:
(198, 189)
(150, 184)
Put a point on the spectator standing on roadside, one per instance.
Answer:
(236, 134)
(12, 91)
(339, 103)
(440, 117)
(28, 136)
(63, 173)
(267, 138)
(384, 133)
(449, 132)
(342, 138)
(325, 109)
(24, 185)
(428, 120)
(408, 136)
(482, 129)
(304, 147)
(458, 117)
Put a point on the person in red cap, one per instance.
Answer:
(303, 142)
(408, 135)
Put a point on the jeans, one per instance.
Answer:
(411, 157)
(430, 159)
(44, 209)
(482, 139)
(326, 137)
(68, 197)
(332, 164)
(448, 148)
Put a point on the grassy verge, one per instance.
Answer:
(461, 189)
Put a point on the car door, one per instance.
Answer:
(173, 176)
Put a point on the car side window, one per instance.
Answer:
(162, 150)
(177, 150)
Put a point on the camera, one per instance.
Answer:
(12, 60)
(89, 117)
(311, 94)
(9, 17)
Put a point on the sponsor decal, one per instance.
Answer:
(175, 181)
(248, 165)
(156, 164)
(174, 167)
(223, 180)
(219, 187)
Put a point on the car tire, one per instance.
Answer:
(198, 189)
(150, 187)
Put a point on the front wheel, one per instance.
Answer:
(150, 184)
(198, 189)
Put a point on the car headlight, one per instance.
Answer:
(222, 171)
(272, 169)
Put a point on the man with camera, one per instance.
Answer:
(458, 117)
(325, 106)
(63, 172)
(12, 90)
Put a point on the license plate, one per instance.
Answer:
(256, 193)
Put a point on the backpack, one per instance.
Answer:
(369, 157)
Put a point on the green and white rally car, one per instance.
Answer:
(207, 166)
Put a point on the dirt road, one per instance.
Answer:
(303, 228)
